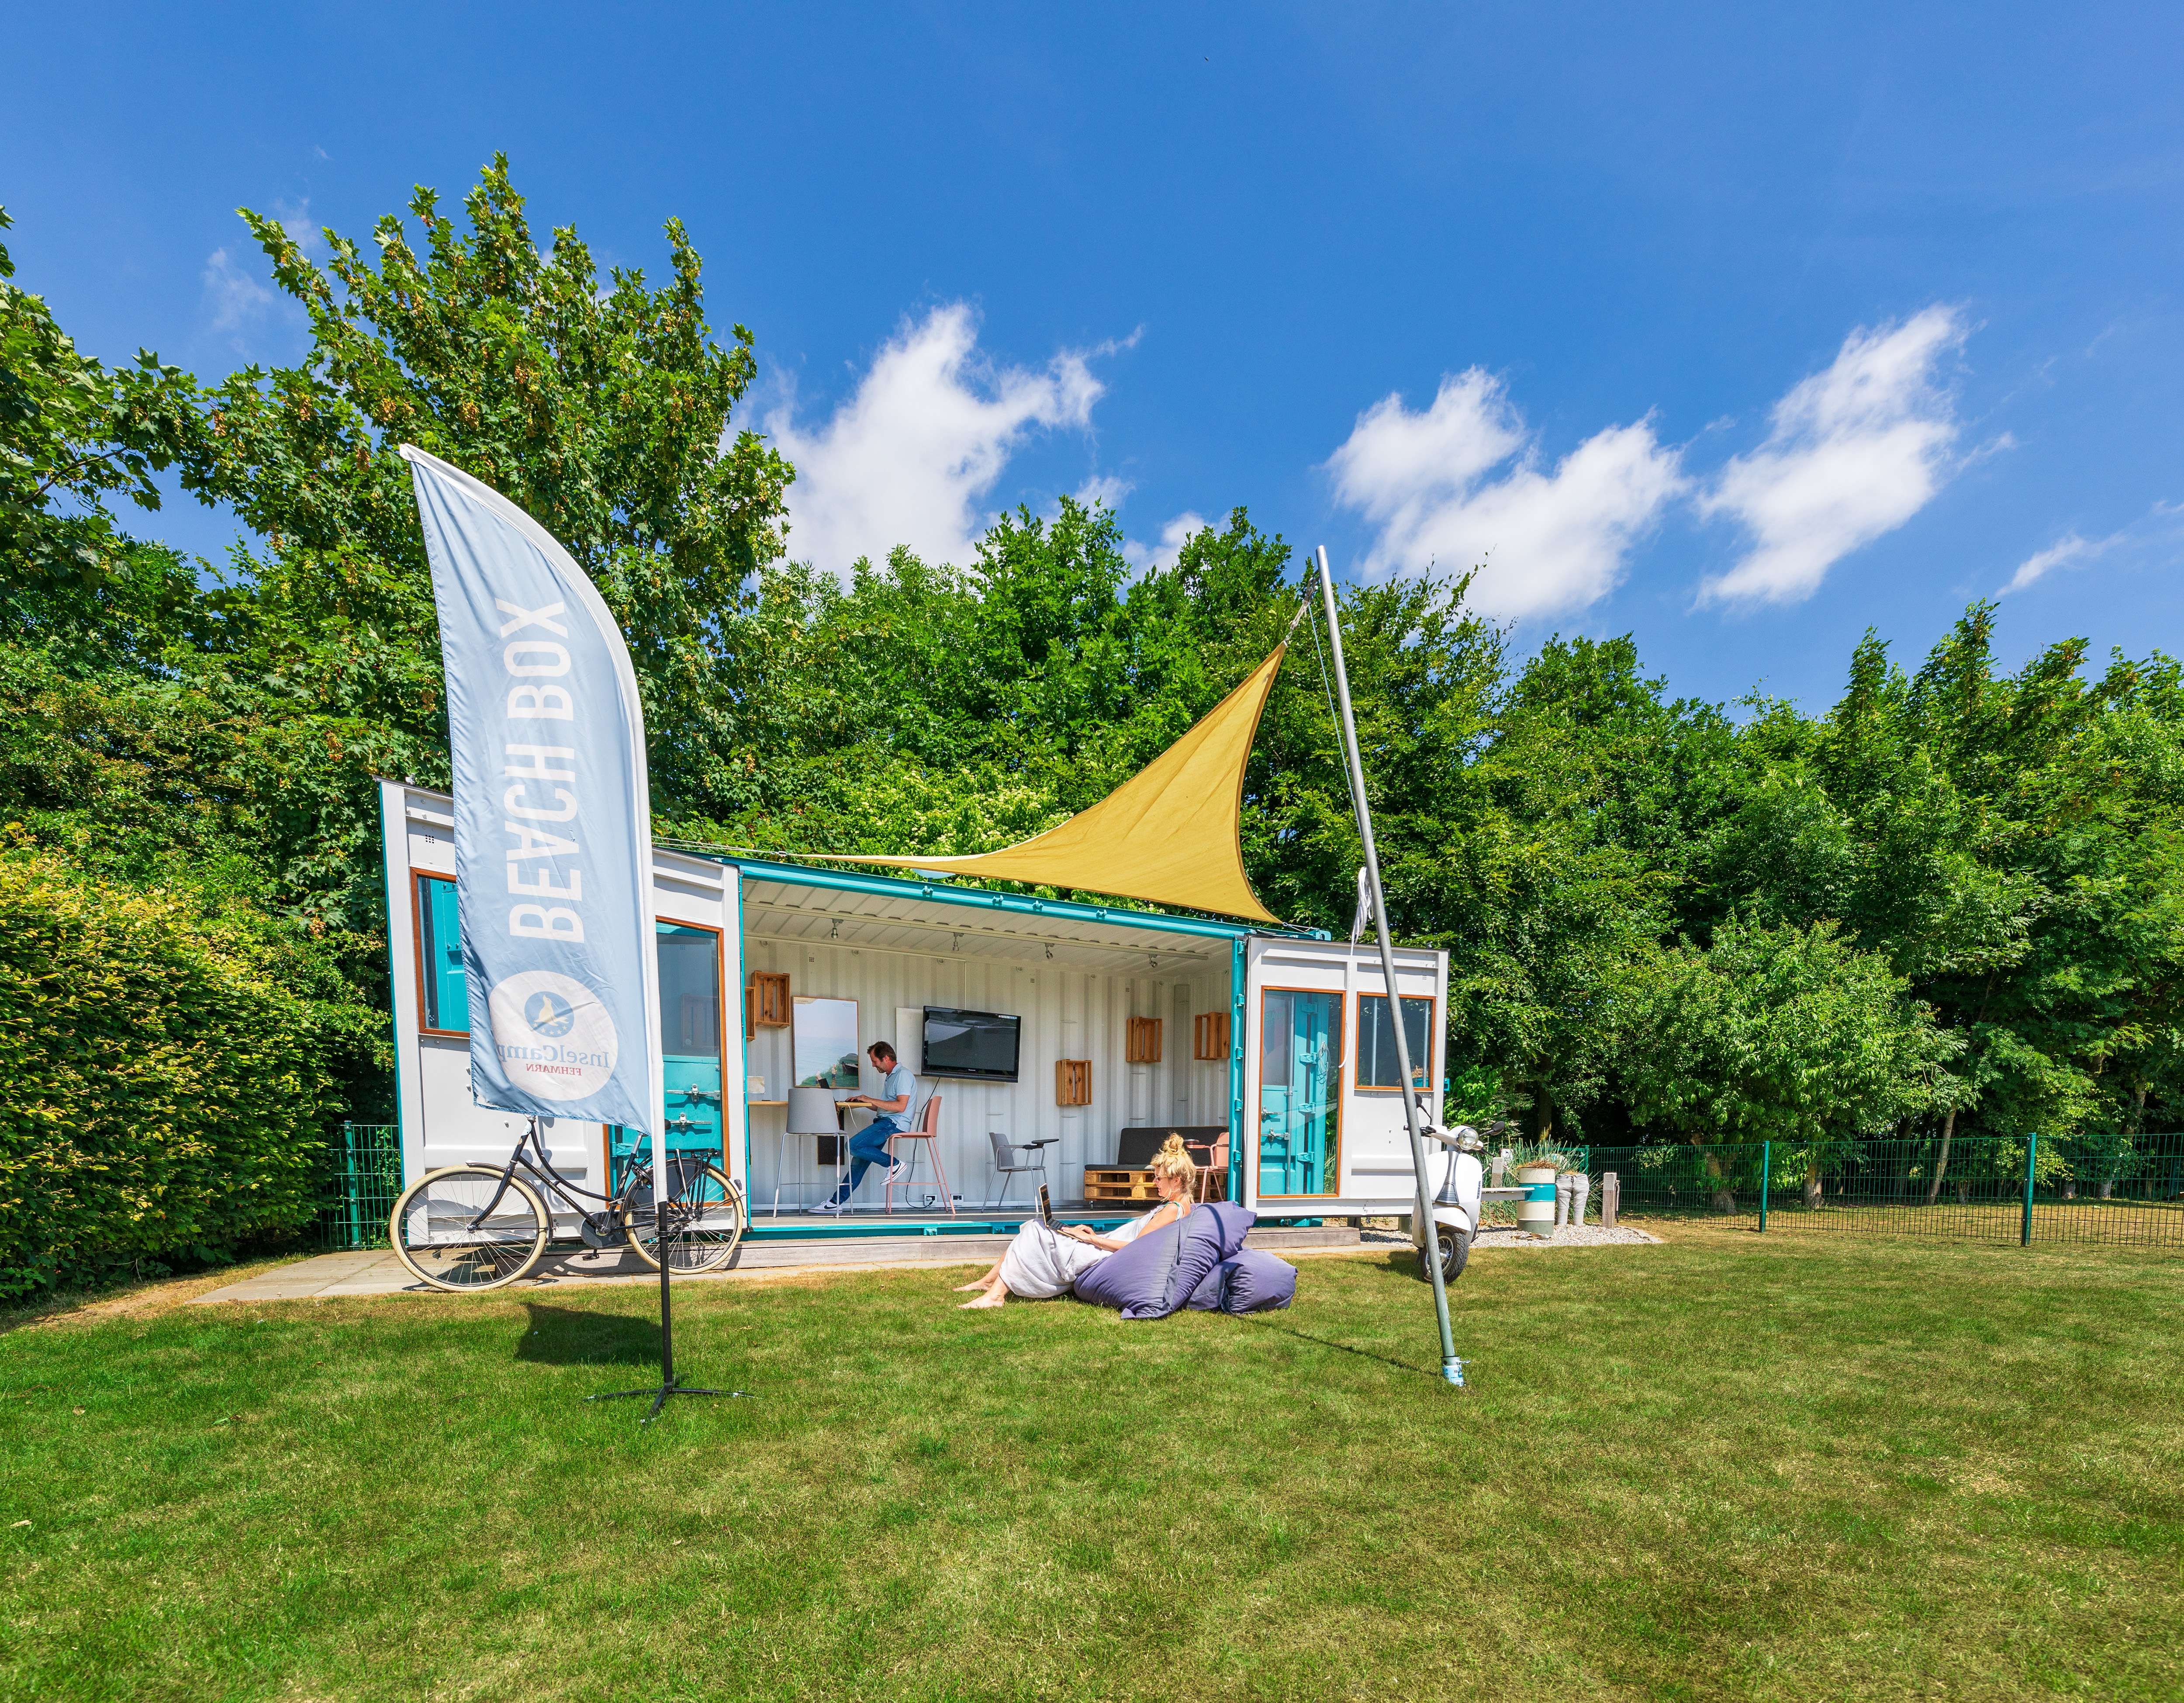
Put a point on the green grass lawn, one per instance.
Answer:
(1804, 1466)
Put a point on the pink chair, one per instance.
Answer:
(928, 1131)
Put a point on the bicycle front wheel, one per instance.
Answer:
(441, 1231)
(705, 1217)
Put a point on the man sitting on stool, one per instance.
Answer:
(868, 1147)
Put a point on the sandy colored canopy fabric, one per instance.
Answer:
(1168, 835)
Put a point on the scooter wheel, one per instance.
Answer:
(1455, 1247)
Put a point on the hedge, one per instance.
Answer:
(166, 1086)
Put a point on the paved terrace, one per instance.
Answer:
(377, 1272)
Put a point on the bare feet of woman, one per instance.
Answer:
(965, 1288)
(992, 1298)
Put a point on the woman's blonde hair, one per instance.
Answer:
(1174, 1161)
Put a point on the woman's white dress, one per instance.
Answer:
(1041, 1264)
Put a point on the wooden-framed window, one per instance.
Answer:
(1376, 1043)
(444, 1004)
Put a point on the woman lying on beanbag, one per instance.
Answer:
(1043, 1263)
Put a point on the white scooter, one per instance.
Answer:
(1455, 1202)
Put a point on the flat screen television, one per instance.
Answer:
(981, 1045)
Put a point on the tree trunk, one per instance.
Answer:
(1942, 1162)
(1813, 1182)
(1724, 1197)
(1543, 1113)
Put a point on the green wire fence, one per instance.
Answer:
(366, 1176)
(2121, 1189)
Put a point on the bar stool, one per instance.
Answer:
(927, 1132)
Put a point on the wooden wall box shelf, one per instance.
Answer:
(1073, 1081)
(767, 1003)
(1143, 1043)
(1209, 1035)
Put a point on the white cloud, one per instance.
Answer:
(238, 302)
(235, 299)
(911, 457)
(2155, 535)
(1548, 540)
(1148, 558)
(2069, 550)
(1104, 488)
(1854, 452)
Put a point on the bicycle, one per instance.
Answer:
(471, 1228)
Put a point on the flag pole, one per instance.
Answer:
(1452, 1368)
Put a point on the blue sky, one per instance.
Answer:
(1739, 329)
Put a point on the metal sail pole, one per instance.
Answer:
(1451, 1369)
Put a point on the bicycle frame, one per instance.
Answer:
(538, 1170)
(549, 1182)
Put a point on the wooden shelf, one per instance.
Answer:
(766, 1102)
(1073, 1081)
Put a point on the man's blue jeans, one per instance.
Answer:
(868, 1148)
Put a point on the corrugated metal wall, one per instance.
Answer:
(1068, 1014)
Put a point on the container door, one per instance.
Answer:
(690, 1050)
(1300, 1053)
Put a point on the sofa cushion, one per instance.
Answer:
(1134, 1148)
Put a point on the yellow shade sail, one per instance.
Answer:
(1168, 835)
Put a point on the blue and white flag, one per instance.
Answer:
(552, 817)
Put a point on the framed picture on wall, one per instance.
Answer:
(823, 1044)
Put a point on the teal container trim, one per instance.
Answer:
(942, 892)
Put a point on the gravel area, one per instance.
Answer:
(1502, 1236)
(1569, 1235)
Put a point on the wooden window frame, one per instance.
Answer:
(1255, 1106)
(417, 878)
(1360, 1085)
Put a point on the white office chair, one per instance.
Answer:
(1004, 1162)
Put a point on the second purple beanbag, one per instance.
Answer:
(1253, 1281)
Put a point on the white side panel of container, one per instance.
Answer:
(441, 1124)
(1372, 1172)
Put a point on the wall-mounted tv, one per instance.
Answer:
(981, 1045)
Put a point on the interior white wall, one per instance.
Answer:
(1068, 1014)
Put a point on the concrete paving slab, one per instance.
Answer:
(375, 1272)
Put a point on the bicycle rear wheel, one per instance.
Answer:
(705, 1217)
(441, 1231)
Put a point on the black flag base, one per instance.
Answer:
(669, 1384)
(673, 1386)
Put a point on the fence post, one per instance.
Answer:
(1766, 1175)
(2032, 1149)
(349, 1186)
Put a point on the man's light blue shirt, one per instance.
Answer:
(899, 1084)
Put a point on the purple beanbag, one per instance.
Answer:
(1256, 1282)
(1155, 1275)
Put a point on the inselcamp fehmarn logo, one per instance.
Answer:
(554, 1039)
